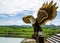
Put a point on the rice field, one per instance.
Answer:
(25, 32)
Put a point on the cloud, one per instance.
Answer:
(16, 16)
(10, 22)
(55, 22)
(4, 15)
(14, 6)
(12, 11)
(14, 19)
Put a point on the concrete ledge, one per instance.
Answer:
(28, 41)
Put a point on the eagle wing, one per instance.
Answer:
(26, 19)
(46, 13)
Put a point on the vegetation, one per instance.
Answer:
(25, 32)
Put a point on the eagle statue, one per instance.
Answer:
(47, 12)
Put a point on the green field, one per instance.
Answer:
(25, 32)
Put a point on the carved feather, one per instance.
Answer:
(50, 10)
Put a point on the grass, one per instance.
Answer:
(25, 32)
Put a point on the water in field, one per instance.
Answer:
(10, 40)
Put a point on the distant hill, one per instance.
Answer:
(52, 26)
(49, 25)
(28, 26)
(58, 26)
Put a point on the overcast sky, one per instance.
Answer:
(12, 11)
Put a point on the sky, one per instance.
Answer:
(12, 11)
